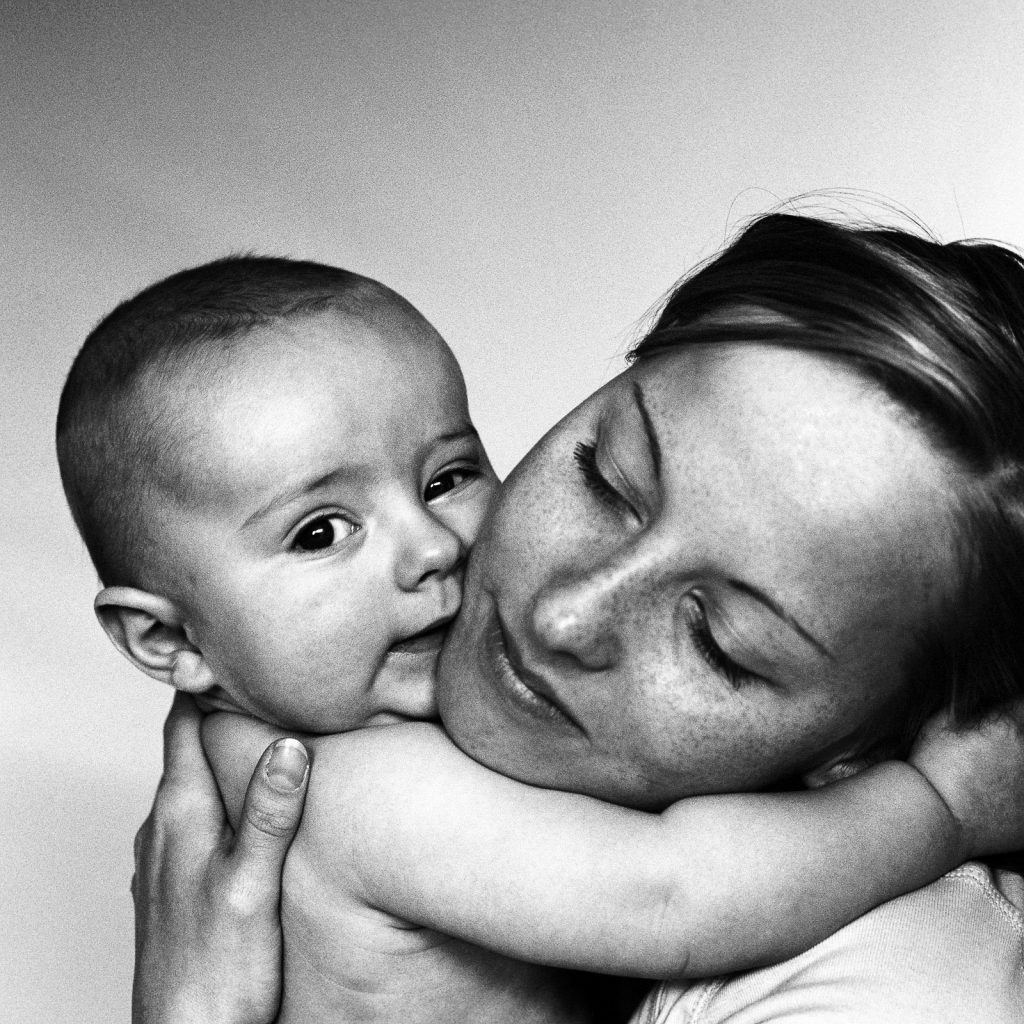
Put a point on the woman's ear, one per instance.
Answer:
(150, 632)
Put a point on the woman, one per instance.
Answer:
(832, 596)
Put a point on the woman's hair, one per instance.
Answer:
(941, 329)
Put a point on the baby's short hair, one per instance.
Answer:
(114, 447)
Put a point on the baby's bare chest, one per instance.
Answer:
(356, 963)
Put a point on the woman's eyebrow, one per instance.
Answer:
(652, 436)
(773, 606)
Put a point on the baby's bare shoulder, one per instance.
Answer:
(388, 777)
(381, 808)
(383, 750)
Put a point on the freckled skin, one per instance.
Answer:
(779, 470)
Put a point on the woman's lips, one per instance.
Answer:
(520, 687)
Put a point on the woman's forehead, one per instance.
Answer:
(767, 409)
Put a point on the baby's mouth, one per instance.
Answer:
(425, 641)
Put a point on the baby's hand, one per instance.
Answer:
(979, 773)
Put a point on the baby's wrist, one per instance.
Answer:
(928, 793)
(922, 805)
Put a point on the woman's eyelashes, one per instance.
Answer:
(703, 640)
(585, 457)
(323, 532)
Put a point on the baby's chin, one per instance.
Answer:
(414, 703)
(401, 687)
(390, 718)
(217, 699)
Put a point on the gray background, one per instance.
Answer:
(533, 175)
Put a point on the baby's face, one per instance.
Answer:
(338, 485)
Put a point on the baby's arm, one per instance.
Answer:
(713, 884)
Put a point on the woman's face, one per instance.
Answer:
(707, 577)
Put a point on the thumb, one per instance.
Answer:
(271, 812)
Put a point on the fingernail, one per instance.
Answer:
(287, 767)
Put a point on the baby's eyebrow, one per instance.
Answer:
(339, 475)
(459, 434)
(304, 487)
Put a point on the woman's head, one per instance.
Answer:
(781, 537)
(940, 329)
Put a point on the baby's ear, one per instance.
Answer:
(150, 632)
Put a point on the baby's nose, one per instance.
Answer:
(428, 549)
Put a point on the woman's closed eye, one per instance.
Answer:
(323, 532)
(585, 457)
(707, 647)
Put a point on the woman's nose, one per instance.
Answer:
(428, 548)
(576, 617)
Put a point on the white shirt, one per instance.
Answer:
(950, 952)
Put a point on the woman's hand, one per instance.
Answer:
(207, 925)
(979, 773)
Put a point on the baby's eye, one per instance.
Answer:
(447, 481)
(323, 532)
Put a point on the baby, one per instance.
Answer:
(273, 466)
(274, 469)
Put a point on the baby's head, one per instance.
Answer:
(274, 470)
